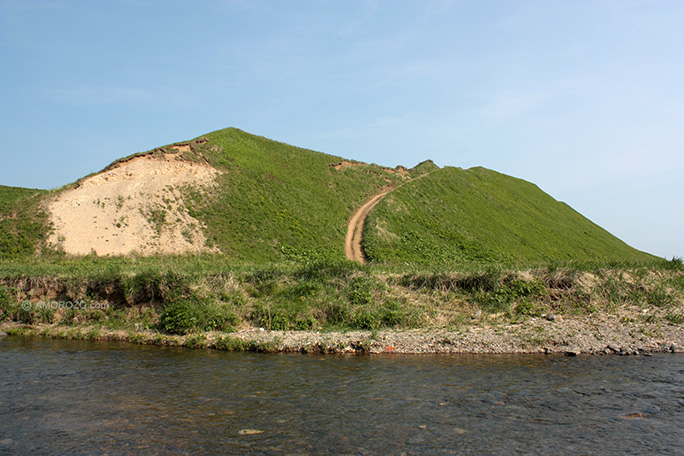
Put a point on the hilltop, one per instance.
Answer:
(258, 200)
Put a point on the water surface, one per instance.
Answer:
(71, 397)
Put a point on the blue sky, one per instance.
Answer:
(583, 98)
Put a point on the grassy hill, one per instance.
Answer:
(276, 202)
(457, 216)
(448, 237)
(22, 221)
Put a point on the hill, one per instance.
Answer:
(456, 216)
(257, 200)
(276, 201)
(23, 223)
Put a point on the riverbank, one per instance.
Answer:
(600, 335)
(342, 307)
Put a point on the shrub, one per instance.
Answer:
(676, 264)
(156, 286)
(390, 314)
(284, 315)
(6, 304)
(188, 315)
(362, 290)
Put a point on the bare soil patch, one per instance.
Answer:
(135, 207)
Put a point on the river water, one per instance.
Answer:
(71, 397)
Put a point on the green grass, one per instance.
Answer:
(182, 296)
(193, 295)
(458, 217)
(23, 222)
(276, 201)
(443, 247)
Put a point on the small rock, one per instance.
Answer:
(2, 334)
(613, 348)
(250, 432)
(551, 317)
(574, 352)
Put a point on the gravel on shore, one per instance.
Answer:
(565, 335)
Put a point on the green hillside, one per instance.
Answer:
(277, 201)
(455, 216)
(22, 222)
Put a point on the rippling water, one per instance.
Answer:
(69, 397)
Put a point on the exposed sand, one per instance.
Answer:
(134, 207)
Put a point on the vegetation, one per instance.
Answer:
(446, 249)
(276, 201)
(193, 295)
(23, 222)
(459, 217)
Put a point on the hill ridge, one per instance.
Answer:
(266, 201)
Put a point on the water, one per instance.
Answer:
(70, 397)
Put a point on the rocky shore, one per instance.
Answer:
(601, 335)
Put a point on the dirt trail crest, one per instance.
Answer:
(354, 238)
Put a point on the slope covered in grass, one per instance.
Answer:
(276, 201)
(271, 202)
(22, 222)
(456, 216)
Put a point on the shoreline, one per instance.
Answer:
(598, 335)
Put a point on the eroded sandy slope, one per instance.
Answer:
(133, 207)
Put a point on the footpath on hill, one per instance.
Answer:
(354, 239)
(352, 243)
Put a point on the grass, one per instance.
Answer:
(445, 246)
(186, 295)
(460, 217)
(23, 222)
(201, 295)
(275, 201)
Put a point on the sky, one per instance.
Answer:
(583, 98)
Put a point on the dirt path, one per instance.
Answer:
(352, 243)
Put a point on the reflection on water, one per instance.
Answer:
(69, 397)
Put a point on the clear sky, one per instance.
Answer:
(583, 98)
